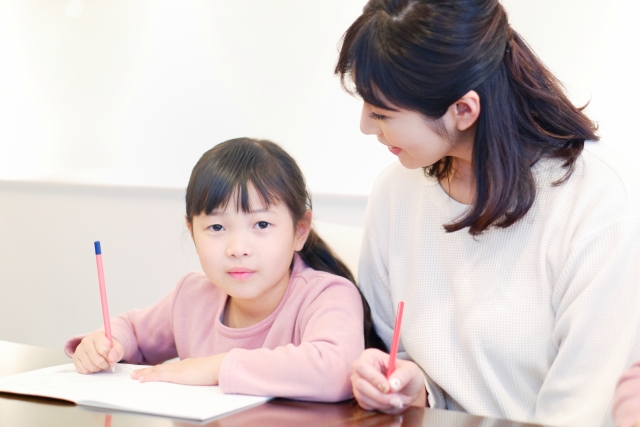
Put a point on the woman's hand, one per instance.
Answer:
(94, 353)
(196, 371)
(371, 389)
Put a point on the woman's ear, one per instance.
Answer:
(303, 228)
(466, 110)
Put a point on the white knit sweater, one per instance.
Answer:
(534, 322)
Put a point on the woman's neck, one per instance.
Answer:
(459, 183)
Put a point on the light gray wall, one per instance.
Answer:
(48, 280)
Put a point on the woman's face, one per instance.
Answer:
(410, 135)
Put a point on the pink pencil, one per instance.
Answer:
(103, 296)
(396, 340)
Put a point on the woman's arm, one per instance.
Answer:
(595, 333)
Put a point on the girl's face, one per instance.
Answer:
(247, 255)
(409, 135)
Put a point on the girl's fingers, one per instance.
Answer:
(98, 360)
(115, 354)
(138, 373)
(155, 373)
(79, 366)
(86, 362)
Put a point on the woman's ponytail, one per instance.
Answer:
(317, 255)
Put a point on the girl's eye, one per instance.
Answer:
(262, 225)
(216, 227)
(375, 116)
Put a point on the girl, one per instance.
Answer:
(509, 232)
(275, 313)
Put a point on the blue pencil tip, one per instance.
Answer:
(97, 245)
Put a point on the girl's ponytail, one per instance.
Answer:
(317, 255)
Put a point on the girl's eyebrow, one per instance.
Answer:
(220, 213)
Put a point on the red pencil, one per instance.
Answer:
(103, 296)
(396, 340)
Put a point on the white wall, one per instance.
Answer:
(133, 91)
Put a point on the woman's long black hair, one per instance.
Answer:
(424, 55)
(234, 165)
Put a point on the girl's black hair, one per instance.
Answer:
(232, 166)
(424, 55)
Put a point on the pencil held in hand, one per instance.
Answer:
(103, 296)
(396, 340)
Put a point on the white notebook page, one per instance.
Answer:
(119, 391)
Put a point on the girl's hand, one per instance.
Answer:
(372, 390)
(196, 371)
(94, 353)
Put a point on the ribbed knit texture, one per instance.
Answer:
(534, 322)
(303, 350)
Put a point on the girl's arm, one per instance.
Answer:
(145, 334)
(317, 369)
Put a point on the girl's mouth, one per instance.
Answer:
(240, 273)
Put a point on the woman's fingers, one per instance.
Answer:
(372, 390)
(370, 366)
(370, 398)
(407, 378)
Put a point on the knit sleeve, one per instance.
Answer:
(595, 330)
(146, 334)
(374, 284)
(317, 369)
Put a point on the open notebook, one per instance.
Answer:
(118, 391)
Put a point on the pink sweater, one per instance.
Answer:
(626, 401)
(303, 350)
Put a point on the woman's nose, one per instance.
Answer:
(368, 126)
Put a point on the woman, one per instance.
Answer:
(508, 230)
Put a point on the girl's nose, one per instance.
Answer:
(238, 246)
(368, 126)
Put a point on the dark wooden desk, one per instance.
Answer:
(24, 411)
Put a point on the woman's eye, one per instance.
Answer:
(262, 224)
(216, 227)
(375, 116)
